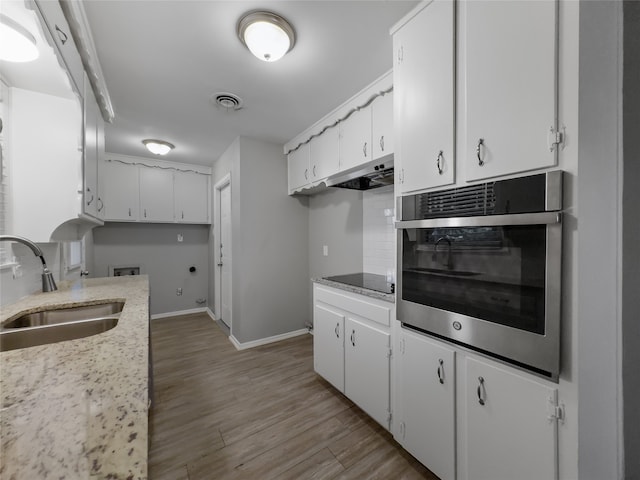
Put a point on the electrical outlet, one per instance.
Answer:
(325, 250)
(178, 291)
(180, 237)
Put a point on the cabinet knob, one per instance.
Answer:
(479, 151)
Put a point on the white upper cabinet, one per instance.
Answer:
(511, 431)
(355, 139)
(298, 167)
(119, 190)
(156, 195)
(382, 128)
(509, 77)
(191, 193)
(90, 185)
(424, 101)
(324, 154)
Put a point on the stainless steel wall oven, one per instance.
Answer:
(480, 265)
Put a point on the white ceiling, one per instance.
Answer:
(162, 60)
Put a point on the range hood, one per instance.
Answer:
(378, 173)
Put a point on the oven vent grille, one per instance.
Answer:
(470, 201)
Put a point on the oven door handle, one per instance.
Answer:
(541, 218)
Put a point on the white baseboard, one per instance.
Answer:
(211, 314)
(264, 341)
(181, 312)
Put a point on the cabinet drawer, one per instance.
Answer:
(360, 305)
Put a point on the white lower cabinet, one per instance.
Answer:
(468, 417)
(511, 429)
(427, 403)
(328, 345)
(352, 347)
(366, 367)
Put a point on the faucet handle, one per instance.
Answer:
(84, 273)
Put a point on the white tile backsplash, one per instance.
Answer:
(378, 232)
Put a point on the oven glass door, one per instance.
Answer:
(495, 273)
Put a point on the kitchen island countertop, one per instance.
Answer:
(79, 409)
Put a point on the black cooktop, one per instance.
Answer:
(369, 281)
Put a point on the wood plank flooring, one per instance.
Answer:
(260, 413)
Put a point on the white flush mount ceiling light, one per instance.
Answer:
(267, 35)
(16, 43)
(158, 147)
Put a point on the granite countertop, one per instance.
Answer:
(387, 297)
(78, 409)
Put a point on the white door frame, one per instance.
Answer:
(225, 181)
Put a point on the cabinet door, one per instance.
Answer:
(382, 120)
(191, 197)
(427, 401)
(508, 432)
(424, 103)
(367, 368)
(324, 154)
(510, 81)
(156, 195)
(100, 158)
(121, 197)
(298, 166)
(90, 149)
(355, 139)
(328, 345)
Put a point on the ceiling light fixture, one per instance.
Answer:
(267, 35)
(158, 147)
(16, 43)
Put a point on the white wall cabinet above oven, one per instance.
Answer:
(510, 93)
(352, 347)
(423, 78)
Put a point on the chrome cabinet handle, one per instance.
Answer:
(100, 204)
(129, 211)
(183, 214)
(63, 36)
(482, 393)
(400, 54)
(441, 371)
(336, 330)
(478, 151)
(382, 143)
(306, 174)
(440, 162)
(364, 149)
(314, 170)
(145, 213)
(353, 338)
(91, 199)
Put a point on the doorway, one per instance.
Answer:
(222, 251)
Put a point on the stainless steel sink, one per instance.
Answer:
(63, 315)
(57, 325)
(42, 335)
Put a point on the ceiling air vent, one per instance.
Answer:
(226, 100)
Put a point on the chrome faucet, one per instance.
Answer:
(449, 262)
(48, 283)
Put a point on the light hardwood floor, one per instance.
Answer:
(260, 413)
